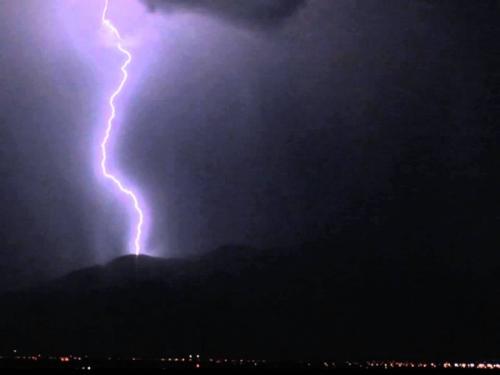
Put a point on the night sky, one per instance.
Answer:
(267, 128)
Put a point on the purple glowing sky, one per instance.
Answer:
(104, 35)
(191, 85)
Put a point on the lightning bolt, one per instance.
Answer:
(126, 191)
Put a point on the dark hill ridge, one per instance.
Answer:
(278, 303)
(121, 271)
(133, 270)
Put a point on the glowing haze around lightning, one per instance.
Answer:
(131, 196)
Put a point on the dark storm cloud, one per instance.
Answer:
(261, 13)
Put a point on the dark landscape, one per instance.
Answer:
(276, 304)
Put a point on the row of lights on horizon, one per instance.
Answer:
(197, 359)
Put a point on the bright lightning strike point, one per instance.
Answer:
(131, 195)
